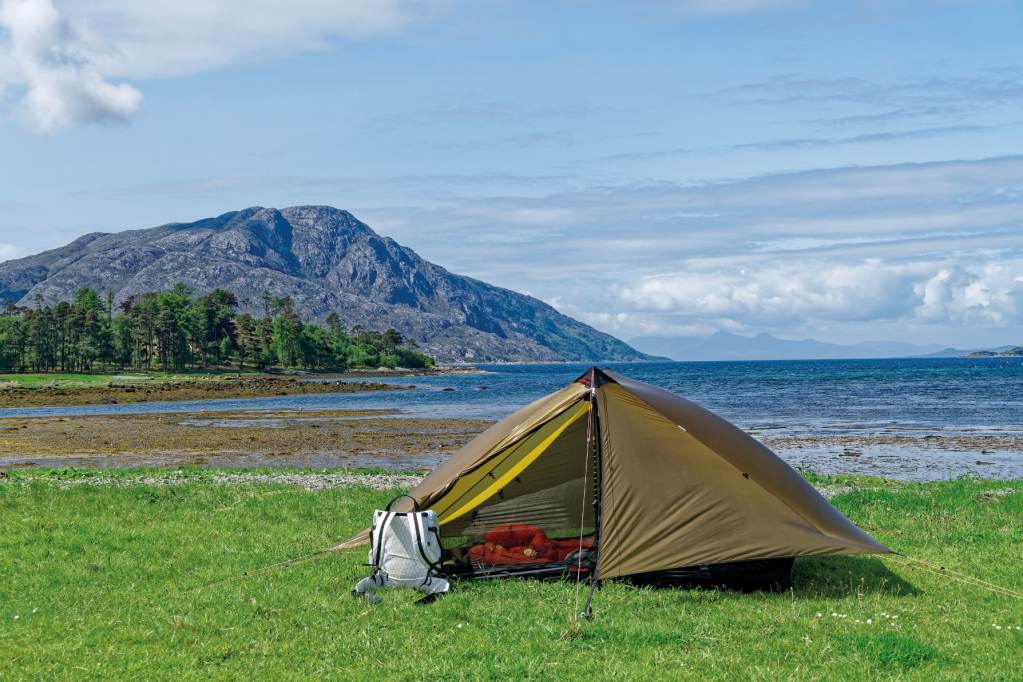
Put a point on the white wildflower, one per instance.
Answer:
(868, 621)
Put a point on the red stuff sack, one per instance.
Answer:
(494, 555)
(512, 535)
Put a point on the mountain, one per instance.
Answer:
(327, 261)
(727, 346)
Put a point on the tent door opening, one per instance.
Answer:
(531, 511)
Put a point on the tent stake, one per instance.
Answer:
(587, 611)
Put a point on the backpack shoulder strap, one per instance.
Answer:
(379, 544)
(434, 568)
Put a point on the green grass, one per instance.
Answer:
(89, 379)
(94, 573)
(74, 379)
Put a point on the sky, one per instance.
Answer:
(843, 170)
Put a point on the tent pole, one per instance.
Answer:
(594, 442)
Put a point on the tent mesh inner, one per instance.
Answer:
(550, 496)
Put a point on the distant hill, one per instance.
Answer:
(327, 261)
(976, 352)
(728, 346)
(1014, 352)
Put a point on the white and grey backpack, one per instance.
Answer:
(404, 551)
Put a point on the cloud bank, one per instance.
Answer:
(919, 251)
(780, 294)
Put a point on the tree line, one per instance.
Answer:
(172, 331)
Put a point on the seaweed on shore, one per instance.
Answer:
(146, 391)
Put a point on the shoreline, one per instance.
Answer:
(382, 439)
(443, 371)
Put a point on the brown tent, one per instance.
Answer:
(619, 478)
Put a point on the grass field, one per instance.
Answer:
(87, 379)
(90, 578)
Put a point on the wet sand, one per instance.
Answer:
(144, 390)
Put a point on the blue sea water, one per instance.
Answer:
(869, 416)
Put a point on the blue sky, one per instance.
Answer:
(845, 171)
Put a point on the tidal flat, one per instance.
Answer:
(334, 439)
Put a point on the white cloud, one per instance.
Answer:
(57, 65)
(9, 251)
(160, 39)
(64, 58)
(991, 296)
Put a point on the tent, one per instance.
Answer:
(616, 478)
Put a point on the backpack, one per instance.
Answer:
(404, 551)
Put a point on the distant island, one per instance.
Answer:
(1016, 352)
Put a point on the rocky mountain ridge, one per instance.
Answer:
(327, 261)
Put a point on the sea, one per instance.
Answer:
(916, 419)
